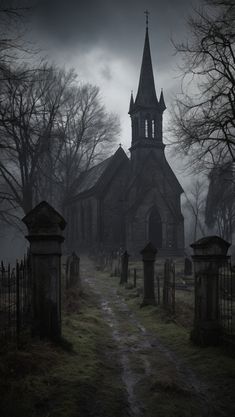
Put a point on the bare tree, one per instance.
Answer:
(13, 44)
(28, 114)
(204, 113)
(86, 135)
(195, 208)
(51, 129)
(220, 208)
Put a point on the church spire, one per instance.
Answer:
(131, 106)
(146, 95)
(162, 102)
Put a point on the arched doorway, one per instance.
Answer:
(155, 228)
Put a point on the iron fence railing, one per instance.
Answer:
(15, 300)
(227, 300)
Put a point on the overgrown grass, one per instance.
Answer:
(63, 380)
(213, 366)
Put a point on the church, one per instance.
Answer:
(123, 203)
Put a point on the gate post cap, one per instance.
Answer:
(149, 251)
(210, 245)
(44, 219)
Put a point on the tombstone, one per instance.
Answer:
(148, 256)
(168, 295)
(73, 271)
(45, 227)
(124, 267)
(188, 267)
(134, 278)
(210, 254)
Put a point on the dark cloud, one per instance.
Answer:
(106, 72)
(117, 25)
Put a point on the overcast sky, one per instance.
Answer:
(103, 40)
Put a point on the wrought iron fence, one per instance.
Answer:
(227, 300)
(15, 300)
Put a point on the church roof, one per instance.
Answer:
(146, 95)
(91, 178)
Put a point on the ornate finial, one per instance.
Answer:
(120, 145)
(147, 18)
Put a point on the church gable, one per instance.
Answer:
(154, 172)
(96, 179)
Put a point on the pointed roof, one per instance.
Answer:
(90, 179)
(131, 107)
(162, 101)
(146, 95)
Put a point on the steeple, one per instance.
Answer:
(146, 111)
(146, 95)
(162, 102)
(131, 106)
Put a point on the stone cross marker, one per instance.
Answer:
(149, 255)
(210, 254)
(45, 227)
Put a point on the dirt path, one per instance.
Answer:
(156, 379)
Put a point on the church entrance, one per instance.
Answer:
(155, 228)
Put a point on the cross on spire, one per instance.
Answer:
(147, 18)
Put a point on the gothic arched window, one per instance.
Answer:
(153, 129)
(146, 128)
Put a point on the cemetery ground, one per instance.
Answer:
(117, 359)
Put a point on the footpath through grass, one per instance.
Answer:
(79, 378)
(116, 360)
(183, 379)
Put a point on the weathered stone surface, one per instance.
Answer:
(210, 254)
(45, 227)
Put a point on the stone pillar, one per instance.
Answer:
(210, 253)
(149, 255)
(45, 227)
(124, 267)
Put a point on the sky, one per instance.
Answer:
(103, 40)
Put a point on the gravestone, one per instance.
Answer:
(188, 268)
(73, 271)
(148, 256)
(124, 267)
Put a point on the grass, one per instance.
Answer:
(81, 375)
(214, 367)
(46, 380)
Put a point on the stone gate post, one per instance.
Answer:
(45, 227)
(148, 256)
(210, 253)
